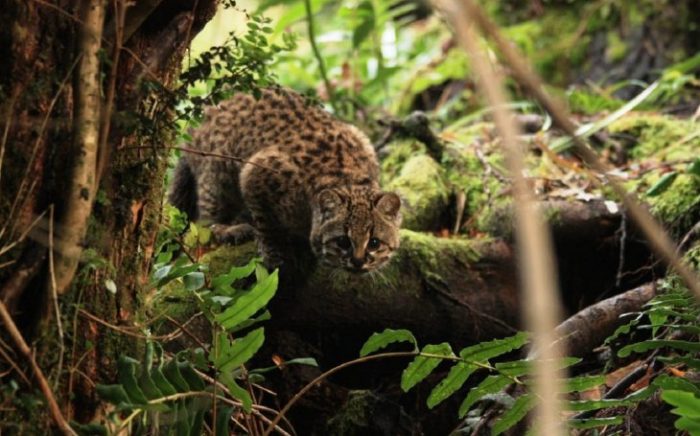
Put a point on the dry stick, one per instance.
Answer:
(536, 261)
(54, 298)
(5, 355)
(103, 150)
(202, 153)
(329, 373)
(522, 73)
(87, 133)
(16, 336)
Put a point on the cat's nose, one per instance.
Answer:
(357, 262)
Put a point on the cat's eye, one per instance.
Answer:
(343, 242)
(373, 244)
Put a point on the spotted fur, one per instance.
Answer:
(303, 179)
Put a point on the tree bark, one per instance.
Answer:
(42, 115)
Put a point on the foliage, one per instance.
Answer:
(172, 393)
(667, 328)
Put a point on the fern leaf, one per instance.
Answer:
(381, 340)
(422, 366)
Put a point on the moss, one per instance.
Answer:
(617, 48)
(659, 135)
(591, 103)
(399, 152)
(421, 184)
(679, 205)
(427, 250)
(479, 178)
(224, 257)
(355, 414)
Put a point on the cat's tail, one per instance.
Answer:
(183, 190)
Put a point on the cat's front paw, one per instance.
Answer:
(235, 234)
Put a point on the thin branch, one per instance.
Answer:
(16, 336)
(542, 307)
(54, 298)
(656, 235)
(201, 153)
(87, 132)
(103, 150)
(329, 373)
(5, 355)
(317, 54)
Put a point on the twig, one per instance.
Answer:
(327, 374)
(201, 153)
(103, 149)
(317, 54)
(623, 243)
(87, 131)
(5, 355)
(522, 73)
(536, 260)
(54, 298)
(55, 411)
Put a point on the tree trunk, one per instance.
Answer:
(41, 90)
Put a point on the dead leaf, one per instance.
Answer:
(612, 378)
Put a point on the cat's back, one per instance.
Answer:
(244, 124)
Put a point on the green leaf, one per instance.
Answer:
(223, 415)
(457, 376)
(381, 340)
(653, 344)
(668, 383)
(114, 394)
(365, 11)
(489, 385)
(587, 130)
(687, 406)
(523, 367)
(596, 422)
(694, 168)
(240, 351)
(236, 390)
(252, 321)
(422, 366)
(662, 184)
(163, 385)
(194, 281)
(194, 381)
(685, 360)
(148, 386)
(582, 383)
(248, 304)
(89, 429)
(171, 370)
(512, 416)
(196, 424)
(488, 350)
(127, 378)
(235, 273)
(585, 405)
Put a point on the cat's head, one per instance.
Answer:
(356, 229)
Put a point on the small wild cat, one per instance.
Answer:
(302, 179)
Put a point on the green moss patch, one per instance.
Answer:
(421, 185)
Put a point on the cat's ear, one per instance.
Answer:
(328, 201)
(388, 203)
